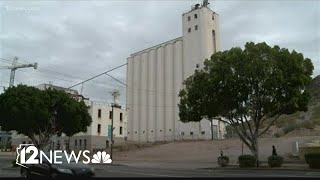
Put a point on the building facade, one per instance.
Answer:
(97, 136)
(155, 76)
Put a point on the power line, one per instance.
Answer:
(93, 84)
(72, 76)
(98, 75)
(98, 83)
(115, 79)
(44, 70)
(3, 59)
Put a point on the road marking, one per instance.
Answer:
(313, 173)
(144, 174)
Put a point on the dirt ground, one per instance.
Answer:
(208, 151)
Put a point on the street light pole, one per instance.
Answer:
(111, 138)
(211, 130)
(115, 104)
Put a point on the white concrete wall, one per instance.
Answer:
(152, 70)
(142, 91)
(104, 121)
(160, 94)
(130, 96)
(198, 44)
(136, 98)
(168, 92)
(178, 79)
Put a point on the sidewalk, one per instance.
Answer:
(208, 166)
(285, 167)
(7, 153)
(161, 165)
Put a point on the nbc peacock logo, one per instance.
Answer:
(101, 157)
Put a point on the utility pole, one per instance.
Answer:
(115, 104)
(14, 67)
(211, 129)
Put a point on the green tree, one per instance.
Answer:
(247, 89)
(42, 114)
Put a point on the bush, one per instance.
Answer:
(277, 135)
(308, 125)
(2, 147)
(223, 161)
(290, 128)
(313, 159)
(275, 161)
(247, 161)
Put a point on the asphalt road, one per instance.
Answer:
(126, 171)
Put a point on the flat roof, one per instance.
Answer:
(156, 46)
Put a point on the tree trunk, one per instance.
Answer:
(255, 150)
(69, 144)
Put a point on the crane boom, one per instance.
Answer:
(15, 66)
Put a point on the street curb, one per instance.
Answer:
(108, 164)
(118, 164)
(10, 168)
(265, 168)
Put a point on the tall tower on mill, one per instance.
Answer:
(201, 36)
(155, 76)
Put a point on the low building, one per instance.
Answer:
(98, 134)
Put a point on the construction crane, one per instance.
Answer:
(15, 66)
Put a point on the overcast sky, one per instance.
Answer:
(75, 40)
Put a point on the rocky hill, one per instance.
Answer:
(301, 123)
(314, 89)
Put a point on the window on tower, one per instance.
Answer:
(214, 41)
(99, 113)
(189, 18)
(197, 65)
(195, 16)
(110, 115)
(196, 27)
(212, 16)
(189, 30)
(99, 128)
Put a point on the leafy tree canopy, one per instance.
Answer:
(246, 87)
(42, 114)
